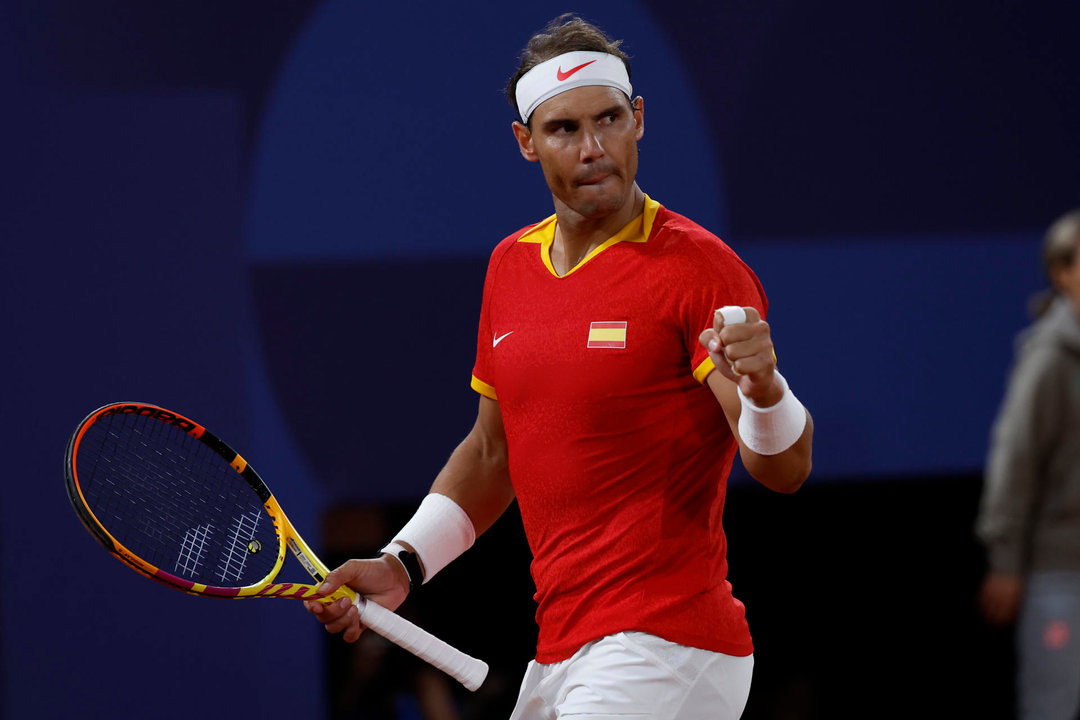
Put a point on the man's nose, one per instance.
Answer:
(591, 148)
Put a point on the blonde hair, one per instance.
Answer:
(1060, 245)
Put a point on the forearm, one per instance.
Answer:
(774, 431)
(786, 471)
(783, 471)
(476, 477)
(469, 494)
(1005, 510)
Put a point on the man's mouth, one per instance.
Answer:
(594, 179)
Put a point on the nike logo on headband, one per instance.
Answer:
(560, 75)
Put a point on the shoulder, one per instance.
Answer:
(1057, 333)
(1042, 359)
(699, 251)
(679, 235)
(517, 240)
(511, 240)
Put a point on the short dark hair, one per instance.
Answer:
(566, 33)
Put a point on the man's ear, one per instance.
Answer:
(639, 115)
(525, 141)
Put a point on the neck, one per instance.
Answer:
(577, 235)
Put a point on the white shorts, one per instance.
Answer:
(636, 675)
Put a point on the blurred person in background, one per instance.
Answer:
(1029, 518)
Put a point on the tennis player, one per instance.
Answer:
(622, 360)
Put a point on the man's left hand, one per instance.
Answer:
(743, 353)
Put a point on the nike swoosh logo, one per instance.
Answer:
(560, 75)
(499, 339)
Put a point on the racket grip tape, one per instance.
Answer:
(466, 669)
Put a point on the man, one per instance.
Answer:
(1030, 514)
(613, 397)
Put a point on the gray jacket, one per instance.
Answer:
(1029, 517)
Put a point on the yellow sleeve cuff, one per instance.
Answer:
(702, 371)
(483, 388)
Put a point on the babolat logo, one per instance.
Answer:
(152, 412)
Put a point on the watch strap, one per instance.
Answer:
(408, 560)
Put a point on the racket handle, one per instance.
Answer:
(466, 669)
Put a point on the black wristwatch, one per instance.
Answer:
(409, 561)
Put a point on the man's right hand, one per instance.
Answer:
(999, 597)
(382, 580)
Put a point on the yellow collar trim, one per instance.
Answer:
(637, 230)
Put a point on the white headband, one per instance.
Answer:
(566, 72)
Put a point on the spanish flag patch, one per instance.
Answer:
(607, 334)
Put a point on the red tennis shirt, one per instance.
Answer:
(619, 454)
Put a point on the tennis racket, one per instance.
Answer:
(178, 505)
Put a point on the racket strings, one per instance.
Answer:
(238, 547)
(174, 502)
(192, 551)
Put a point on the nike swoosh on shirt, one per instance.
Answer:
(497, 340)
(560, 75)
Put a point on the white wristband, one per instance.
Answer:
(772, 430)
(439, 531)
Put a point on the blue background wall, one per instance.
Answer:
(276, 219)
